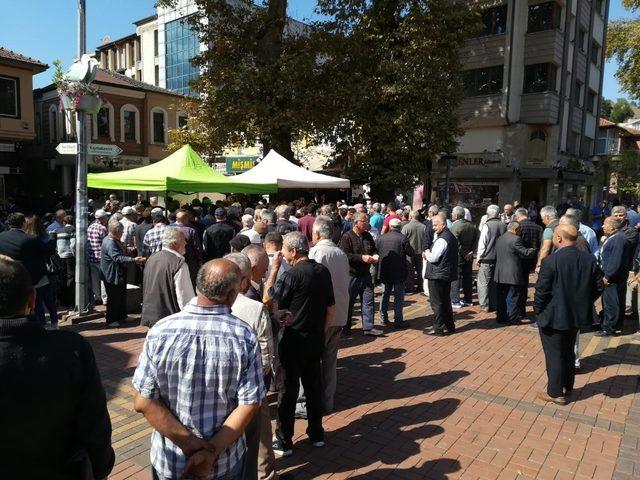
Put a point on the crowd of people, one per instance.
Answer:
(243, 299)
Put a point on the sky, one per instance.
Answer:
(34, 28)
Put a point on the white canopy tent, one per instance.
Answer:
(274, 168)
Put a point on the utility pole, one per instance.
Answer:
(82, 302)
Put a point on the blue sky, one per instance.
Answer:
(34, 28)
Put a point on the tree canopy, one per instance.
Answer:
(623, 45)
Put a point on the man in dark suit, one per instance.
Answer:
(467, 235)
(217, 237)
(616, 270)
(26, 249)
(393, 249)
(531, 235)
(510, 274)
(568, 283)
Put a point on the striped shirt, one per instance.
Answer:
(152, 242)
(95, 234)
(203, 362)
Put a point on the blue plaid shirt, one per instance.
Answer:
(152, 241)
(202, 362)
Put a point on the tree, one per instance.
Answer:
(257, 80)
(394, 66)
(606, 108)
(621, 111)
(623, 45)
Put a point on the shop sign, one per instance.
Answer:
(7, 147)
(241, 163)
(477, 161)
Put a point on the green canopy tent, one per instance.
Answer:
(182, 171)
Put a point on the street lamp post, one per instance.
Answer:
(82, 303)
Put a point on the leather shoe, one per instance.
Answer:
(603, 333)
(547, 398)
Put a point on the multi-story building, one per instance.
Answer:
(136, 116)
(17, 121)
(532, 85)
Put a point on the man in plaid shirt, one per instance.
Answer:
(199, 382)
(96, 232)
(152, 242)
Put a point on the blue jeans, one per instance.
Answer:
(236, 473)
(398, 301)
(361, 287)
(613, 302)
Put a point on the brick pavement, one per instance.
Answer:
(411, 406)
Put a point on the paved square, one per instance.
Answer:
(411, 406)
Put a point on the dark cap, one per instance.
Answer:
(220, 213)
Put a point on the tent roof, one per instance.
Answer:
(274, 168)
(182, 171)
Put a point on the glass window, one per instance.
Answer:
(577, 93)
(483, 81)
(543, 16)
(129, 125)
(540, 78)
(592, 98)
(155, 42)
(182, 45)
(158, 127)
(9, 97)
(599, 4)
(102, 121)
(157, 75)
(53, 120)
(582, 40)
(182, 122)
(595, 53)
(494, 21)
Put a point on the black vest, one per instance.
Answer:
(447, 267)
(495, 229)
(159, 297)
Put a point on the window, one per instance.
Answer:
(595, 53)
(494, 21)
(102, 122)
(182, 45)
(129, 125)
(182, 121)
(577, 93)
(157, 76)
(9, 97)
(543, 16)
(540, 78)
(54, 131)
(592, 98)
(483, 81)
(582, 40)
(155, 43)
(158, 123)
(139, 49)
(599, 4)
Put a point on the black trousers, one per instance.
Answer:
(560, 359)
(440, 297)
(300, 362)
(116, 302)
(464, 280)
(416, 262)
(613, 302)
(508, 301)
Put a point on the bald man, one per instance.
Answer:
(569, 282)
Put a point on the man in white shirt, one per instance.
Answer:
(248, 231)
(167, 286)
(260, 459)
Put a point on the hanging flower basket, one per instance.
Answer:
(89, 104)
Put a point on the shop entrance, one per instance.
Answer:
(534, 191)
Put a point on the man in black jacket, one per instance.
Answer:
(615, 268)
(569, 282)
(531, 235)
(58, 439)
(217, 237)
(26, 249)
(441, 270)
(510, 275)
(393, 249)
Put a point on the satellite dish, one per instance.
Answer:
(83, 70)
(128, 73)
(106, 39)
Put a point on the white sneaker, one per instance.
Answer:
(51, 326)
(318, 444)
(456, 305)
(113, 325)
(374, 332)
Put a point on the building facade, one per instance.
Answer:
(532, 86)
(135, 116)
(18, 123)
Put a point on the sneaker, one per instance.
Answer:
(456, 305)
(533, 325)
(374, 332)
(603, 333)
(318, 444)
(51, 326)
(280, 449)
(113, 325)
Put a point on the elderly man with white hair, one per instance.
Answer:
(489, 234)
(248, 231)
(167, 286)
(260, 459)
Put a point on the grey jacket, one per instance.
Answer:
(112, 261)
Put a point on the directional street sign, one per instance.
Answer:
(67, 148)
(104, 150)
(92, 149)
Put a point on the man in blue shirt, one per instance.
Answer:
(377, 219)
(58, 223)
